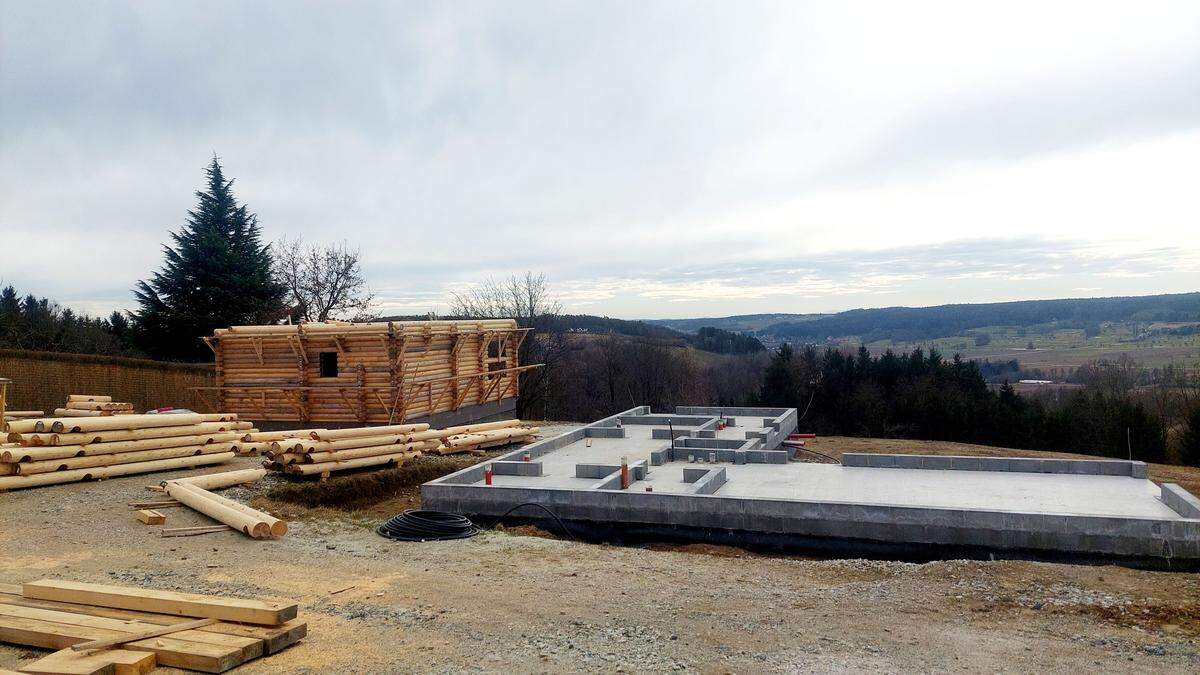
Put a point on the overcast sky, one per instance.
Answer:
(654, 159)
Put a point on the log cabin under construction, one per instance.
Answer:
(364, 373)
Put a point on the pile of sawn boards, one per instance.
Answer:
(55, 614)
(68, 449)
(320, 451)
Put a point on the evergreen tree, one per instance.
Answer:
(217, 273)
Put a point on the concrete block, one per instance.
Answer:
(1114, 468)
(1137, 469)
(1180, 501)
(595, 470)
(965, 464)
(1056, 466)
(517, 468)
(710, 482)
(604, 432)
(935, 462)
(854, 459)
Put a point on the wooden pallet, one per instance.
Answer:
(77, 613)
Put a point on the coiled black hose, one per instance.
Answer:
(414, 525)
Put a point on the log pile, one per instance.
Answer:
(369, 373)
(101, 628)
(89, 405)
(322, 451)
(49, 451)
(194, 492)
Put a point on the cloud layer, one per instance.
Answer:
(654, 159)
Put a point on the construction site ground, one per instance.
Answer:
(523, 600)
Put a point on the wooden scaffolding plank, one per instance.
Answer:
(106, 662)
(168, 651)
(162, 602)
(274, 638)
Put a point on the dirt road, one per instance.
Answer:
(508, 602)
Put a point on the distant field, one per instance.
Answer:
(1061, 348)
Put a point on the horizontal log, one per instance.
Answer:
(49, 465)
(63, 412)
(95, 405)
(369, 451)
(128, 434)
(340, 434)
(323, 467)
(89, 397)
(216, 481)
(57, 477)
(81, 424)
(38, 453)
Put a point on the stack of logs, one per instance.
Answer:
(321, 451)
(68, 449)
(194, 492)
(89, 405)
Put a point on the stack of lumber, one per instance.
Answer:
(386, 372)
(321, 451)
(194, 492)
(90, 405)
(101, 628)
(48, 451)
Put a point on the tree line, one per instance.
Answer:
(923, 395)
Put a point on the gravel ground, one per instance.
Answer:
(506, 601)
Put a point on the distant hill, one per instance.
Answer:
(921, 323)
(713, 340)
(740, 323)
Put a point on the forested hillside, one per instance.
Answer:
(920, 323)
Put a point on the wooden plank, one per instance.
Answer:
(151, 517)
(162, 602)
(167, 651)
(274, 638)
(122, 629)
(142, 635)
(115, 661)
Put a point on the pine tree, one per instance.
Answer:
(217, 273)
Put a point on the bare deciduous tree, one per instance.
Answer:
(527, 299)
(323, 282)
(524, 298)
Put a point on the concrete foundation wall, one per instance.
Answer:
(918, 525)
(1093, 467)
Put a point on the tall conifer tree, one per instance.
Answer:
(217, 273)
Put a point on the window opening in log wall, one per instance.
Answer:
(329, 364)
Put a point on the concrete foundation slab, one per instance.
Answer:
(727, 474)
